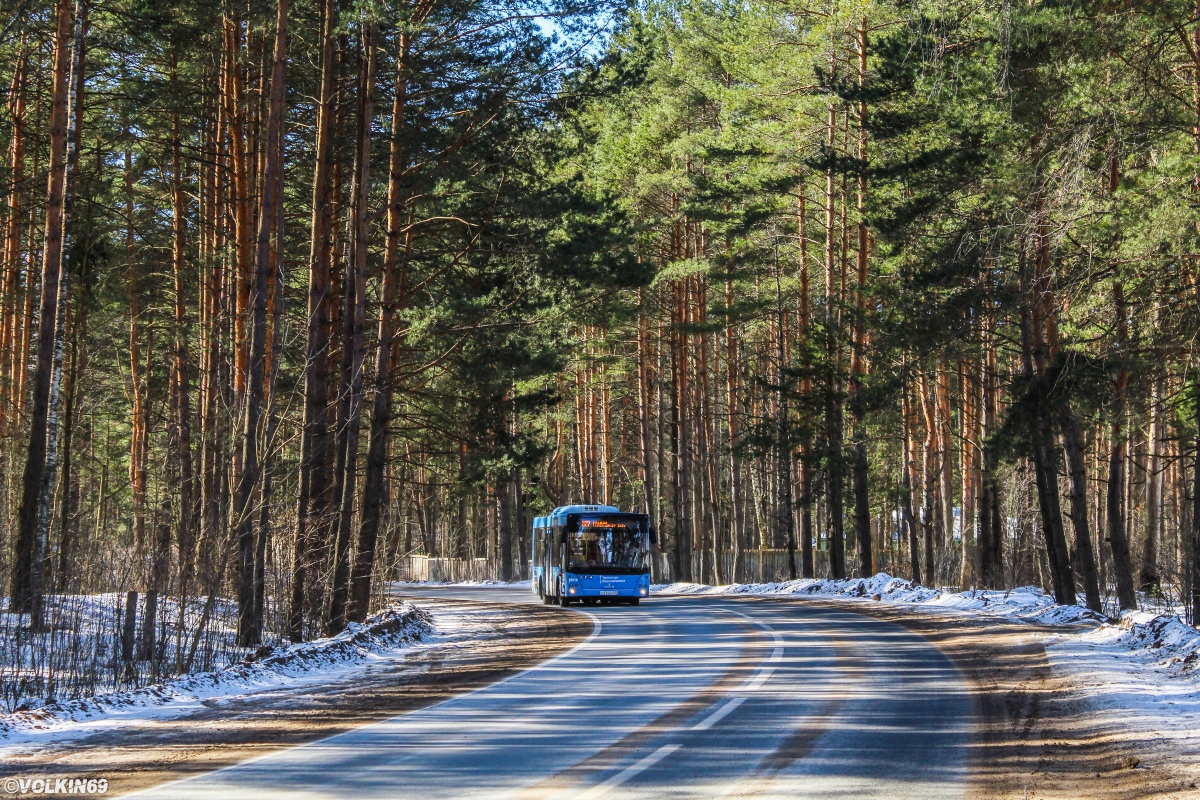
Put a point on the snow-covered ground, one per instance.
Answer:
(1139, 677)
(1027, 603)
(77, 653)
(384, 637)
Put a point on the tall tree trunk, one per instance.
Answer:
(967, 421)
(1149, 576)
(644, 360)
(521, 540)
(833, 403)
(1193, 567)
(931, 516)
(606, 452)
(211, 449)
(945, 439)
(907, 473)
(10, 269)
(353, 352)
(393, 297)
(1042, 446)
(26, 582)
(1046, 476)
(862, 504)
(807, 561)
(1074, 447)
(249, 627)
(182, 425)
(504, 497)
(69, 509)
(242, 278)
(579, 464)
(710, 487)
(54, 443)
(783, 466)
(25, 321)
(858, 367)
(679, 439)
(273, 357)
(138, 439)
(1117, 535)
(990, 533)
(313, 511)
(733, 410)
(160, 565)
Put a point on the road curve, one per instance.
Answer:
(677, 698)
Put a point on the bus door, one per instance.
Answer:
(550, 559)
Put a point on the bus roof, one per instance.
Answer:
(559, 515)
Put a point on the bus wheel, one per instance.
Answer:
(547, 600)
(563, 600)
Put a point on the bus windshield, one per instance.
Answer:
(608, 544)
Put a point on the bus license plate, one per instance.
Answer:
(608, 591)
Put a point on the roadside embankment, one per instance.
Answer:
(465, 646)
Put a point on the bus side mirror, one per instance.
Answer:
(653, 536)
(562, 538)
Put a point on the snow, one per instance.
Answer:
(1027, 603)
(385, 636)
(77, 652)
(1139, 678)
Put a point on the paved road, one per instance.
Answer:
(677, 698)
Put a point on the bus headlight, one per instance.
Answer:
(643, 590)
(571, 590)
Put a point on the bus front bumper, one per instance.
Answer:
(608, 586)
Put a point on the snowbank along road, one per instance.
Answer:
(677, 698)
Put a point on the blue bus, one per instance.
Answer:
(591, 554)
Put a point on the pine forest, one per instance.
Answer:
(298, 294)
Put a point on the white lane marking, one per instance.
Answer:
(757, 681)
(456, 699)
(601, 789)
(718, 715)
(726, 708)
